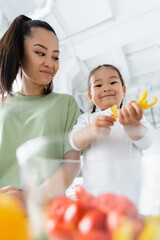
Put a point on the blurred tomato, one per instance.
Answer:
(116, 221)
(93, 235)
(127, 207)
(107, 202)
(87, 200)
(57, 207)
(62, 232)
(120, 204)
(73, 213)
(113, 220)
(92, 220)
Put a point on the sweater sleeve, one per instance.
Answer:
(73, 113)
(82, 122)
(146, 141)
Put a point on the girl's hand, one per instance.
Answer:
(101, 126)
(131, 114)
(98, 128)
(130, 117)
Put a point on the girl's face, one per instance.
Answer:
(106, 88)
(41, 59)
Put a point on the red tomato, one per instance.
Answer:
(120, 204)
(62, 232)
(57, 207)
(115, 219)
(127, 207)
(107, 202)
(73, 213)
(92, 220)
(94, 235)
(87, 200)
(138, 225)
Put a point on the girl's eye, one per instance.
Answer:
(40, 53)
(99, 85)
(55, 58)
(113, 82)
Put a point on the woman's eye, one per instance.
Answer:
(55, 58)
(40, 53)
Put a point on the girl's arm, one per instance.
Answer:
(98, 128)
(130, 117)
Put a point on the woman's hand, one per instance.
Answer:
(18, 194)
(130, 117)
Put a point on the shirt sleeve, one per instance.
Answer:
(146, 141)
(82, 122)
(72, 115)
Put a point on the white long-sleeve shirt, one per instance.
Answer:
(113, 163)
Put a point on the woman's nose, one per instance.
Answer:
(48, 62)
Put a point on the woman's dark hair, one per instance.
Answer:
(93, 106)
(12, 50)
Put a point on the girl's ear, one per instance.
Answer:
(124, 91)
(90, 97)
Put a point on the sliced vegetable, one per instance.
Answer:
(143, 102)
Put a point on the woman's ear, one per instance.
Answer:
(124, 91)
(90, 97)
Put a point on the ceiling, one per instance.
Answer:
(124, 33)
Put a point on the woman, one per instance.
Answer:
(30, 48)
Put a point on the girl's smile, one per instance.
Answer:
(107, 96)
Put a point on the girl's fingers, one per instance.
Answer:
(106, 118)
(138, 109)
(131, 110)
(124, 112)
(104, 121)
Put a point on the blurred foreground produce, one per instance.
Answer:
(13, 222)
(106, 217)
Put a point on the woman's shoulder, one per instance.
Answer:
(64, 100)
(64, 96)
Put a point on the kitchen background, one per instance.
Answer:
(124, 33)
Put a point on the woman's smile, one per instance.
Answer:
(47, 73)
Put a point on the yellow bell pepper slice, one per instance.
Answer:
(143, 102)
(151, 230)
(142, 97)
(114, 110)
(124, 232)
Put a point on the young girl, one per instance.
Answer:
(112, 147)
(30, 48)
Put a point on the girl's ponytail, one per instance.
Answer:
(11, 50)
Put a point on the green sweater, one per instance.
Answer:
(26, 117)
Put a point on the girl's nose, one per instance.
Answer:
(106, 89)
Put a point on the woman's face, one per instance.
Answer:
(41, 59)
(106, 88)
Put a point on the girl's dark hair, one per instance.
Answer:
(93, 106)
(12, 50)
